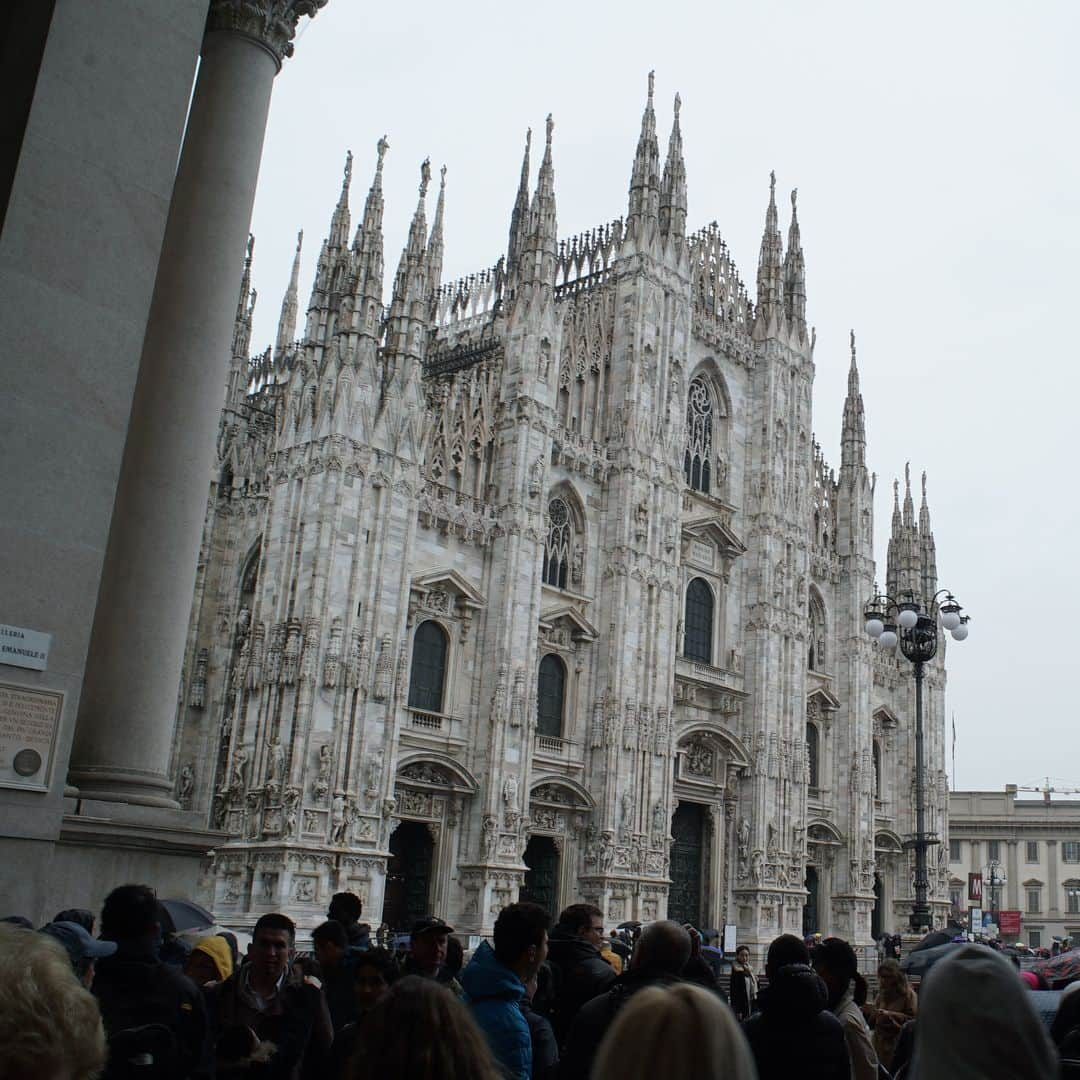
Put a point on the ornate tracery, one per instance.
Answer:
(558, 552)
(699, 436)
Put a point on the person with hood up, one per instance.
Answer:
(794, 1034)
(661, 954)
(580, 972)
(976, 1022)
(835, 961)
(494, 982)
(209, 962)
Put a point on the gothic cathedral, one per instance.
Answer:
(537, 585)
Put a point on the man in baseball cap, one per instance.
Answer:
(82, 949)
(427, 952)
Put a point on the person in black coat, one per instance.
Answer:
(658, 960)
(138, 993)
(579, 971)
(794, 1034)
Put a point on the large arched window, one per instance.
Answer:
(428, 676)
(815, 656)
(698, 625)
(699, 437)
(551, 693)
(813, 753)
(558, 551)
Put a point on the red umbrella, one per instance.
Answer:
(1060, 970)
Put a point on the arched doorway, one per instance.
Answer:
(877, 915)
(688, 831)
(408, 875)
(542, 876)
(810, 908)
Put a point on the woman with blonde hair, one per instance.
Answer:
(50, 1025)
(894, 1005)
(682, 1031)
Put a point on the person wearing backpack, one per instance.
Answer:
(154, 1016)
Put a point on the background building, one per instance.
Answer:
(1035, 844)
(536, 584)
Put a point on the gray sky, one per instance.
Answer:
(934, 148)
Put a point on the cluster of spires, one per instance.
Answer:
(912, 556)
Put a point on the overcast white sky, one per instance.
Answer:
(935, 151)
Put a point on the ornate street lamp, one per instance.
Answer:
(996, 879)
(905, 620)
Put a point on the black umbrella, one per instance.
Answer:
(176, 916)
(633, 924)
(920, 961)
(933, 940)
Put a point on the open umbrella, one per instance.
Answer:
(176, 916)
(932, 940)
(1060, 970)
(920, 961)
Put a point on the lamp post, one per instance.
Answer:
(907, 621)
(997, 879)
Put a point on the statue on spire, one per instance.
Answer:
(652, 84)
(550, 122)
(425, 177)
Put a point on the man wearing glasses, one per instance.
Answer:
(579, 971)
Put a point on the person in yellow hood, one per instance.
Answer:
(210, 961)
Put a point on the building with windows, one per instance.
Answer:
(536, 584)
(1028, 853)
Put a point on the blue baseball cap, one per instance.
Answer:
(78, 942)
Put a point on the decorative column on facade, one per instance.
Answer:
(127, 712)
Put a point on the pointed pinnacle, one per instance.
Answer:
(678, 106)
(381, 147)
(652, 84)
(794, 202)
(550, 129)
(772, 187)
(896, 495)
(924, 487)
(907, 476)
(347, 178)
(425, 176)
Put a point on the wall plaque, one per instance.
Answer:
(29, 720)
(701, 553)
(20, 647)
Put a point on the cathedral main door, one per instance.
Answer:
(688, 830)
(542, 876)
(408, 876)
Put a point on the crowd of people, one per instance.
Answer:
(537, 1002)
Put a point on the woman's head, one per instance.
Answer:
(684, 1031)
(890, 977)
(420, 1030)
(742, 955)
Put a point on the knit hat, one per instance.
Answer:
(217, 948)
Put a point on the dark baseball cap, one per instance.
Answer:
(431, 924)
(78, 942)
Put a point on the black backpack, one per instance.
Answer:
(149, 1052)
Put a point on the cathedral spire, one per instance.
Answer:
(927, 547)
(369, 268)
(673, 185)
(435, 240)
(286, 331)
(795, 271)
(339, 222)
(409, 302)
(770, 284)
(644, 181)
(241, 343)
(853, 431)
(519, 219)
(909, 505)
(537, 265)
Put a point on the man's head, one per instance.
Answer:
(330, 943)
(585, 921)
(662, 949)
(130, 913)
(81, 948)
(373, 974)
(521, 938)
(272, 943)
(345, 908)
(784, 950)
(428, 944)
(834, 960)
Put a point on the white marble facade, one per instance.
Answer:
(506, 457)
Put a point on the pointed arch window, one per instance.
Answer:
(560, 544)
(815, 657)
(427, 678)
(699, 437)
(698, 624)
(550, 697)
(813, 753)
(877, 769)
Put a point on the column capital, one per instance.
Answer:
(270, 23)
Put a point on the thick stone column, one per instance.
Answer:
(128, 706)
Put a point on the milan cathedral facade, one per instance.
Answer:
(537, 585)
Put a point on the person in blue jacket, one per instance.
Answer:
(494, 983)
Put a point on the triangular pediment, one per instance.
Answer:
(824, 698)
(886, 717)
(580, 627)
(449, 580)
(716, 531)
